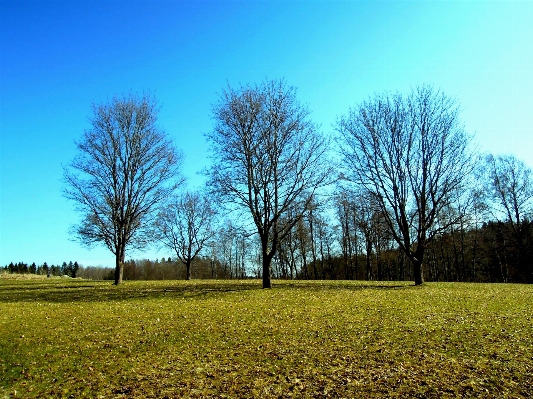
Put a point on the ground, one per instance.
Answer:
(232, 339)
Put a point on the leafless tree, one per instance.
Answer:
(125, 167)
(351, 210)
(510, 186)
(510, 183)
(268, 158)
(185, 225)
(409, 153)
(326, 237)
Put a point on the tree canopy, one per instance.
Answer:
(124, 168)
(268, 158)
(410, 153)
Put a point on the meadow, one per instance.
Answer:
(231, 339)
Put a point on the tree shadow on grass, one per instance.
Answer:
(340, 285)
(88, 291)
(69, 291)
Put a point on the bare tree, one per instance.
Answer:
(510, 183)
(352, 212)
(185, 225)
(125, 167)
(325, 237)
(268, 159)
(232, 250)
(409, 153)
(510, 186)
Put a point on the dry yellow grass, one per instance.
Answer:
(16, 276)
(215, 339)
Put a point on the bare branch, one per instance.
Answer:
(268, 158)
(410, 154)
(125, 166)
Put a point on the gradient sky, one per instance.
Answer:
(58, 57)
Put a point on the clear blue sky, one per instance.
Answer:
(57, 57)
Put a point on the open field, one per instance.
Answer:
(75, 338)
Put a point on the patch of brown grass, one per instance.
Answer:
(16, 276)
(215, 339)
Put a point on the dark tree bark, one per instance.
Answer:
(125, 167)
(268, 159)
(409, 154)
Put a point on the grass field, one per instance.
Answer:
(231, 339)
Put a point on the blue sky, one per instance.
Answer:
(58, 57)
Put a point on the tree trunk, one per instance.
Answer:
(417, 258)
(188, 267)
(379, 263)
(292, 263)
(313, 248)
(417, 271)
(368, 255)
(266, 271)
(119, 267)
(322, 258)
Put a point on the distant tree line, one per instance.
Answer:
(342, 247)
(70, 269)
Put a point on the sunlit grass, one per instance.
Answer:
(72, 338)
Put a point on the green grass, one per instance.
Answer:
(74, 338)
